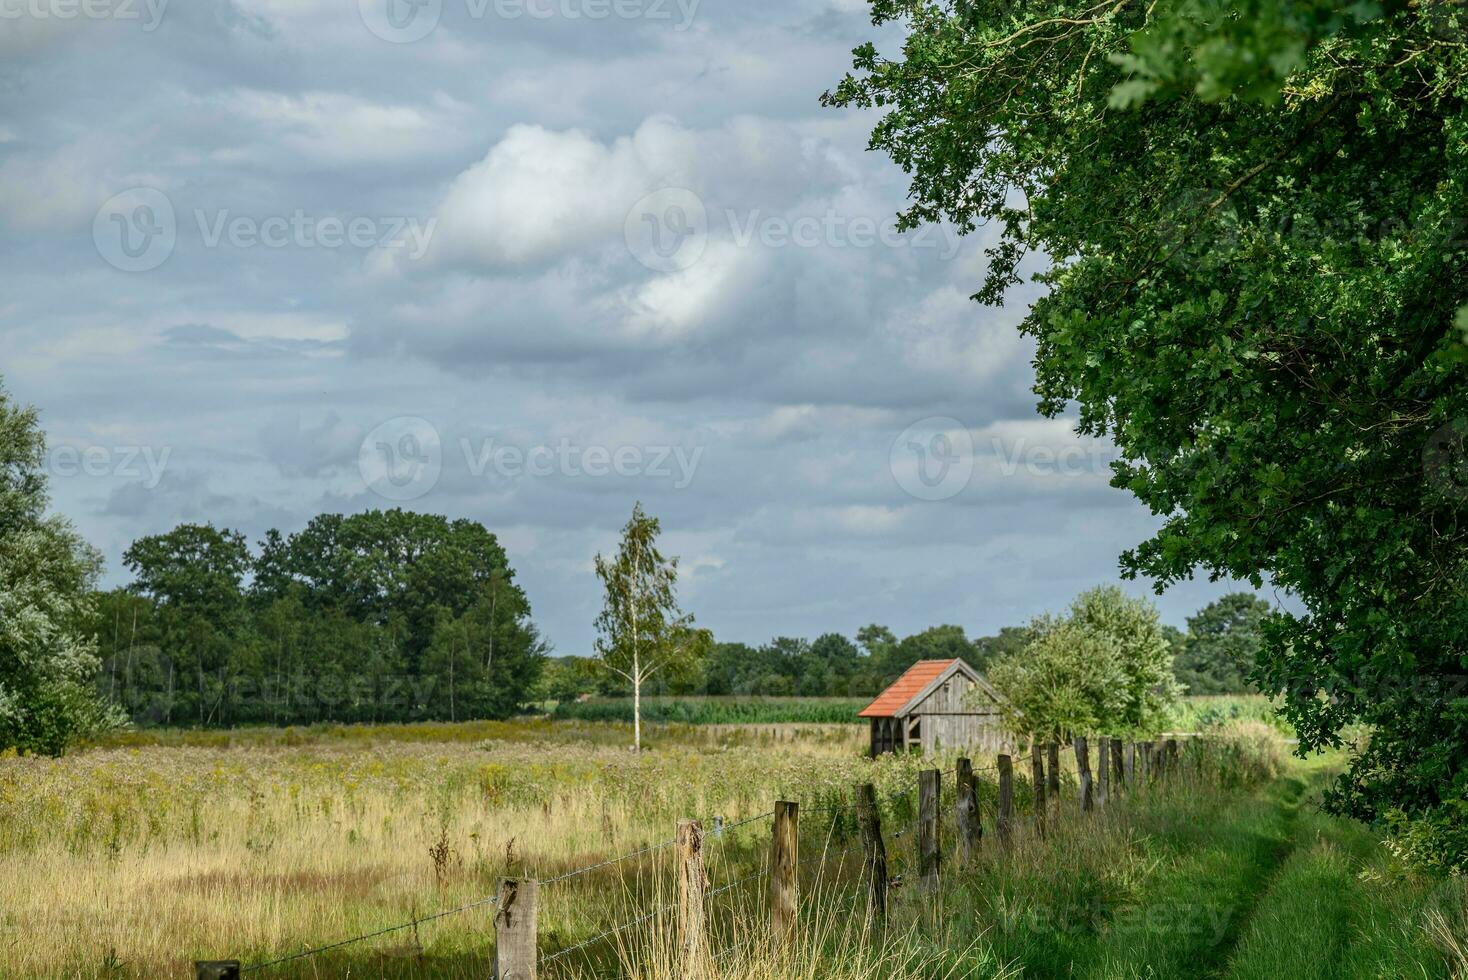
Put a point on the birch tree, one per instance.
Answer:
(641, 632)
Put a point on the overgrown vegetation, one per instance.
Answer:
(276, 841)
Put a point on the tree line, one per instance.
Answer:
(376, 617)
(1212, 656)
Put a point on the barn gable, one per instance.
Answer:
(930, 705)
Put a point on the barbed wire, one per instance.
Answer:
(565, 876)
(547, 960)
(371, 935)
(824, 855)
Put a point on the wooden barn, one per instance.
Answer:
(936, 704)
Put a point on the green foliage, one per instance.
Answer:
(1223, 642)
(641, 632)
(1067, 680)
(46, 576)
(1105, 668)
(1256, 213)
(377, 616)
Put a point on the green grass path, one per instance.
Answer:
(1253, 886)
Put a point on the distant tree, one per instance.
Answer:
(830, 667)
(1222, 644)
(1009, 639)
(1150, 687)
(1067, 680)
(47, 573)
(934, 643)
(641, 632)
(195, 574)
(1104, 668)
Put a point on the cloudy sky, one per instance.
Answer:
(527, 261)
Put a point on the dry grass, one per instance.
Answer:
(132, 861)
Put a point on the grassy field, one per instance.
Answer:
(130, 860)
(719, 710)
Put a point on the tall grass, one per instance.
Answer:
(130, 862)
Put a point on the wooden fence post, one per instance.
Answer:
(692, 913)
(1103, 770)
(1037, 778)
(1129, 767)
(1083, 771)
(874, 852)
(1172, 756)
(216, 970)
(970, 828)
(515, 928)
(1118, 774)
(930, 791)
(1052, 762)
(1006, 798)
(784, 859)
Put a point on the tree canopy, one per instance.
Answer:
(1105, 668)
(1250, 220)
(47, 573)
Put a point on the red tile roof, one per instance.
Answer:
(905, 688)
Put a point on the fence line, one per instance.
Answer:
(1160, 757)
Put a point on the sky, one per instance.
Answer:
(527, 262)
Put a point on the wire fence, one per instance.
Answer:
(721, 834)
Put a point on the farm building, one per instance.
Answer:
(935, 704)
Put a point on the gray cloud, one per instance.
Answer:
(789, 354)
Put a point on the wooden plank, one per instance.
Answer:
(1103, 770)
(1004, 822)
(692, 909)
(874, 852)
(930, 791)
(1052, 761)
(1129, 766)
(515, 928)
(1083, 772)
(1118, 776)
(1037, 781)
(784, 859)
(970, 828)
